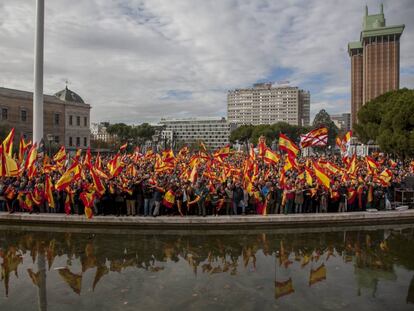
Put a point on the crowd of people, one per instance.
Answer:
(225, 182)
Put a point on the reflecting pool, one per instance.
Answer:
(370, 268)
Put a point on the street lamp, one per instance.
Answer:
(50, 139)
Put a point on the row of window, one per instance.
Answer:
(78, 141)
(78, 120)
(56, 118)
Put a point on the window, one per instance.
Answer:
(77, 141)
(70, 120)
(23, 115)
(4, 113)
(57, 119)
(56, 139)
(85, 121)
(85, 141)
(70, 141)
(78, 120)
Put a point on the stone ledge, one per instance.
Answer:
(210, 222)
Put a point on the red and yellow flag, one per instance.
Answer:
(73, 173)
(97, 183)
(31, 157)
(321, 176)
(287, 145)
(49, 192)
(271, 157)
(8, 143)
(23, 146)
(60, 156)
(87, 199)
(223, 152)
(169, 199)
(8, 166)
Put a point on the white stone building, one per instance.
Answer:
(213, 132)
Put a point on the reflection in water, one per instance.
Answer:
(298, 261)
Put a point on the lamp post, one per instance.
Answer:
(50, 139)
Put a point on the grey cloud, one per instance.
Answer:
(124, 56)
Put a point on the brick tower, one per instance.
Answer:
(375, 61)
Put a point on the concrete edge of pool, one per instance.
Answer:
(210, 222)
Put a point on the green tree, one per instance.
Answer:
(322, 118)
(242, 133)
(270, 131)
(389, 121)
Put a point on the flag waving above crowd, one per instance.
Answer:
(317, 137)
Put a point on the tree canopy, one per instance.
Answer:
(135, 134)
(271, 132)
(388, 120)
(322, 118)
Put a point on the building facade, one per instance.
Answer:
(342, 121)
(375, 61)
(99, 132)
(66, 117)
(266, 104)
(213, 132)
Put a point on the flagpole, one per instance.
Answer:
(38, 73)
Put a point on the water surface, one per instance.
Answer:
(349, 269)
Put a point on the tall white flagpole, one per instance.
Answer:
(38, 73)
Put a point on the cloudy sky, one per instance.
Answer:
(139, 60)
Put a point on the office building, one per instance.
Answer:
(268, 104)
(375, 61)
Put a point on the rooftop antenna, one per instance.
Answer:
(382, 8)
(366, 10)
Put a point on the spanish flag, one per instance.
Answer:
(78, 154)
(289, 163)
(31, 157)
(352, 165)
(97, 183)
(372, 165)
(321, 176)
(88, 158)
(283, 288)
(287, 145)
(317, 275)
(271, 157)
(194, 174)
(60, 156)
(223, 152)
(8, 143)
(73, 173)
(8, 165)
(49, 192)
(168, 155)
(87, 199)
(252, 154)
(23, 146)
(308, 176)
(123, 147)
(115, 165)
(169, 199)
(261, 147)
